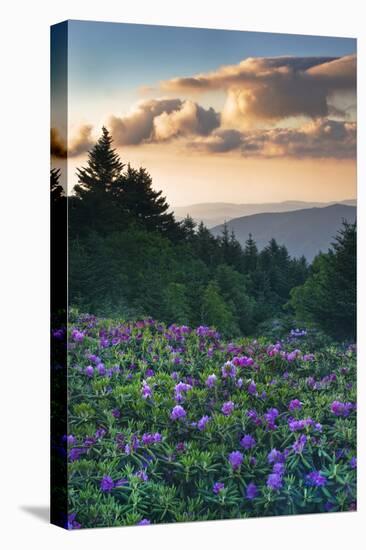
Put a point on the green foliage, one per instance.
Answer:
(328, 298)
(173, 478)
(215, 311)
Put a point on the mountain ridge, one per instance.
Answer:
(305, 232)
(216, 213)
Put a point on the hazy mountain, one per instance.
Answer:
(216, 213)
(303, 232)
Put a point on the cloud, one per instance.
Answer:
(159, 120)
(271, 89)
(321, 138)
(80, 143)
(58, 145)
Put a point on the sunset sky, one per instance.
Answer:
(213, 115)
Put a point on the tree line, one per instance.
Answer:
(129, 257)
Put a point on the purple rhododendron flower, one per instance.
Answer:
(89, 371)
(100, 432)
(116, 413)
(353, 462)
(106, 484)
(201, 424)
(275, 456)
(127, 449)
(177, 413)
(228, 370)
(75, 453)
(247, 442)
(316, 479)
(294, 404)
(341, 409)
(146, 390)
(274, 482)
(77, 335)
(236, 459)
(72, 523)
(141, 474)
(182, 387)
(270, 418)
(278, 468)
(251, 491)
(218, 487)
(297, 425)
(252, 388)
(211, 380)
(149, 438)
(89, 441)
(227, 408)
(253, 416)
(144, 521)
(101, 369)
(299, 444)
(71, 440)
(158, 437)
(243, 361)
(298, 333)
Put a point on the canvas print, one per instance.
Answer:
(203, 208)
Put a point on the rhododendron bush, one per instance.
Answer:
(172, 423)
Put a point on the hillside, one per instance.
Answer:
(216, 213)
(303, 232)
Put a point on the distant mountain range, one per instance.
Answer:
(304, 231)
(216, 213)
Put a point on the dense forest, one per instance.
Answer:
(130, 258)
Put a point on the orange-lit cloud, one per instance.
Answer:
(58, 145)
(275, 107)
(80, 143)
(271, 89)
(161, 120)
(321, 138)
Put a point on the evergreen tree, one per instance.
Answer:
(206, 247)
(57, 191)
(189, 228)
(176, 308)
(328, 297)
(232, 287)
(215, 311)
(103, 171)
(96, 204)
(250, 255)
(147, 206)
(231, 251)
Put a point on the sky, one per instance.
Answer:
(213, 115)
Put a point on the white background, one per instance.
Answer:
(24, 355)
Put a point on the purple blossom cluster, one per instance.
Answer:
(228, 370)
(236, 458)
(178, 413)
(228, 408)
(107, 484)
(342, 409)
(159, 403)
(316, 479)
